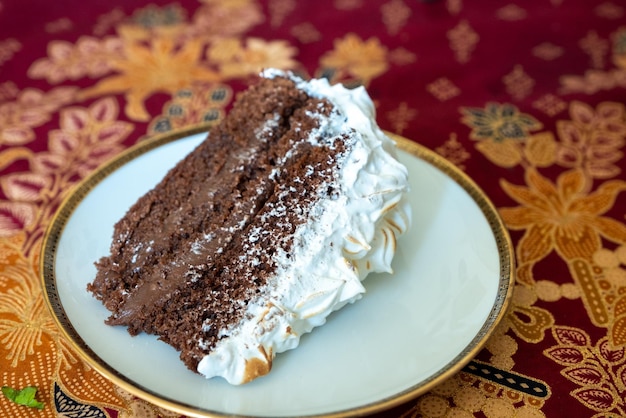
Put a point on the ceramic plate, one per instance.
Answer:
(453, 275)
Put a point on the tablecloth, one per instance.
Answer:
(526, 97)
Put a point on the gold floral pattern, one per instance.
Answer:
(518, 84)
(218, 19)
(595, 47)
(499, 122)
(550, 104)
(354, 57)
(395, 15)
(88, 136)
(90, 57)
(560, 217)
(592, 139)
(597, 369)
(539, 120)
(401, 117)
(465, 396)
(443, 89)
(547, 51)
(454, 151)
(30, 109)
(502, 132)
(8, 48)
(161, 66)
(603, 283)
(157, 42)
(31, 343)
(236, 60)
(595, 80)
(463, 39)
(279, 10)
(198, 104)
(527, 321)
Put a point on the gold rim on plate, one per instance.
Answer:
(65, 211)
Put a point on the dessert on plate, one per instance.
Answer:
(262, 231)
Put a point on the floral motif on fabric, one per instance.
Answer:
(355, 57)
(597, 369)
(551, 145)
(561, 217)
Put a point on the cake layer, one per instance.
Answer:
(184, 239)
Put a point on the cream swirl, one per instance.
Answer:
(351, 235)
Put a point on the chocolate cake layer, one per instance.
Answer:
(193, 252)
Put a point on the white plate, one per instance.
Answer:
(452, 282)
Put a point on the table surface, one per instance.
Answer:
(525, 97)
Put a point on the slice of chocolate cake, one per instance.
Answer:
(262, 231)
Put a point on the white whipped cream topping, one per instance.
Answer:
(352, 236)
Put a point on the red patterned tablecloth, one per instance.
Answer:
(526, 97)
